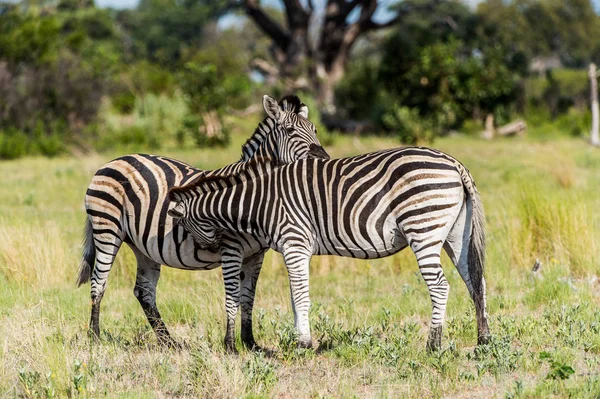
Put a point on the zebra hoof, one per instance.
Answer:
(94, 336)
(252, 345)
(305, 343)
(484, 339)
(434, 342)
(170, 343)
(230, 348)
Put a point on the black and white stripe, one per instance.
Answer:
(367, 206)
(127, 202)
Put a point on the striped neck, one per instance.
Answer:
(256, 142)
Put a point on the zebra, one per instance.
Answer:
(127, 202)
(367, 206)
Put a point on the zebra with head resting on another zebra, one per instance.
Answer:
(127, 201)
(367, 206)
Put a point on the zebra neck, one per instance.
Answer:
(254, 145)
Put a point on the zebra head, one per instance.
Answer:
(286, 134)
(205, 234)
(193, 205)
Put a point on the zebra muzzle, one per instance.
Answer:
(316, 151)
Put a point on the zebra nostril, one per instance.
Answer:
(316, 151)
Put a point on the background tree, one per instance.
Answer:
(165, 31)
(320, 63)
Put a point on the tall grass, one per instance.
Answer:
(371, 317)
(555, 226)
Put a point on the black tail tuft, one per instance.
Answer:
(89, 254)
(477, 243)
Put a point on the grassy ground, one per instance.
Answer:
(371, 318)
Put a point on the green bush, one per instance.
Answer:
(51, 145)
(558, 91)
(123, 102)
(410, 127)
(129, 137)
(13, 144)
(192, 126)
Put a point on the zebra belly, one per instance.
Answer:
(179, 254)
(190, 256)
(373, 246)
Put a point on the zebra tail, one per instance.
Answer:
(476, 257)
(89, 254)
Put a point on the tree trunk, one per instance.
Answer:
(488, 133)
(325, 83)
(320, 67)
(594, 136)
(211, 125)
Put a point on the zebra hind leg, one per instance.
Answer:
(458, 247)
(428, 258)
(249, 277)
(148, 273)
(107, 245)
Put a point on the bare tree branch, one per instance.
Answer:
(371, 25)
(267, 69)
(297, 16)
(266, 24)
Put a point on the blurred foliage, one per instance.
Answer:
(164, 31)
(213, 80)
(74, 75)
(411, 127)
(538, 28)
(54, 69)
(446, 64)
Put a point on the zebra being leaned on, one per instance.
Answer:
(367, 206)
(127, 201)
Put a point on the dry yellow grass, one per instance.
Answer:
(371, 317)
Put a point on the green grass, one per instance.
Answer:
(370, 317)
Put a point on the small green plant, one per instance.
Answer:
(260, 373)
(29, 381)
(79, 378)
(517, 391)
(497, 357)
(558, 370)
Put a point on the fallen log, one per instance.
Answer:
(516, 128)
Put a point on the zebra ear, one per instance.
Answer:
(272, 108)
(178, 211)
(303, 111)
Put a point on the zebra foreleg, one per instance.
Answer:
(249, 277)
(297, 261)
(231, 259)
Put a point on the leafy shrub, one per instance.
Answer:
(13, 144)
(410, 127)
(51, 145)
(359, 94)
(123, 102)
(134, 137)
(194, 126)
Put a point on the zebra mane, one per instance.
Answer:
(289, 103)
(293, 104)
(209, 184)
